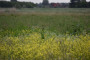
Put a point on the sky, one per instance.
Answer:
(39, 1)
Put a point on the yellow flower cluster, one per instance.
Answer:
(32, 47)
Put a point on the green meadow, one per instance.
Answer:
(45, 34)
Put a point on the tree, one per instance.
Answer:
(13, 0)
(45, 2)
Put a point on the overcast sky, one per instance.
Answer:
(38, 1)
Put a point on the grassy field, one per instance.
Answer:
(45, 34)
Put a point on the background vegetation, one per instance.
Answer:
(80, 5)
(5, 4)
(73, 21)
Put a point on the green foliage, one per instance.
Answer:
(80, 5)
(42, 32)
(5, 4)
(74, 22)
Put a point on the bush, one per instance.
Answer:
(31, 46)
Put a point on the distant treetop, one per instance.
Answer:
(13, 0)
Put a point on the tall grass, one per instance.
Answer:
(45, 34)
(59, 23)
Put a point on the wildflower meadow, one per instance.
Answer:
(45, 35)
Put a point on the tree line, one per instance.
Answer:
(6, 4)
(80, 5)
